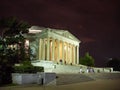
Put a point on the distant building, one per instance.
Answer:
(53, 45)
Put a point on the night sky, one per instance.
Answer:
(95, 22)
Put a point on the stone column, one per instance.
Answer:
(43, 46)
(74, 53)
(77, 54)
(66, 52)
(53, 49)
(63, 51)
(40, 47)
(70, 53)
(58, 53)
(48, 48)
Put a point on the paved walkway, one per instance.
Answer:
(92, 85)
(99, 81)
(64, 79)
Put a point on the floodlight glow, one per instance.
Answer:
(34, 31)
(27, 42)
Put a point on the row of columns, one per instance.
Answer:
(56, 50)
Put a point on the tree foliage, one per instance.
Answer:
(87, 60)
(27, 67)
(115, 63)
(12, 33)
(11, 26)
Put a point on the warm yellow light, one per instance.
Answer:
(65, 47)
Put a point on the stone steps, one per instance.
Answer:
(50, 66)
(64, 79)
(67, 69)
(104, 75)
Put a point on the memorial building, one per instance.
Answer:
(53, 45)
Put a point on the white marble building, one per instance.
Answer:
(53, 45)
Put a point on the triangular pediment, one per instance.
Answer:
(66, 34)
(63, 33)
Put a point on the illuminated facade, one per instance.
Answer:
(53, 45)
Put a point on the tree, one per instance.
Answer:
(87, 60)
(12, 33)
(11, 26)
(115, 63)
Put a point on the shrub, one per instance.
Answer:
(110, 70)
(87, 60)
(98, 71)
(27, 67)
(83, 71)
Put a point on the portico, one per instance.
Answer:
(54, 45)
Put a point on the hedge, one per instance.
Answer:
(28, 69)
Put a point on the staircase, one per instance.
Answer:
(63, 79)
(67, 69)
(50, 66)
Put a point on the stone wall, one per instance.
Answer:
(24, 78)
(38, 78)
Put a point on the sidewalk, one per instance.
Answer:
(92, 85)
